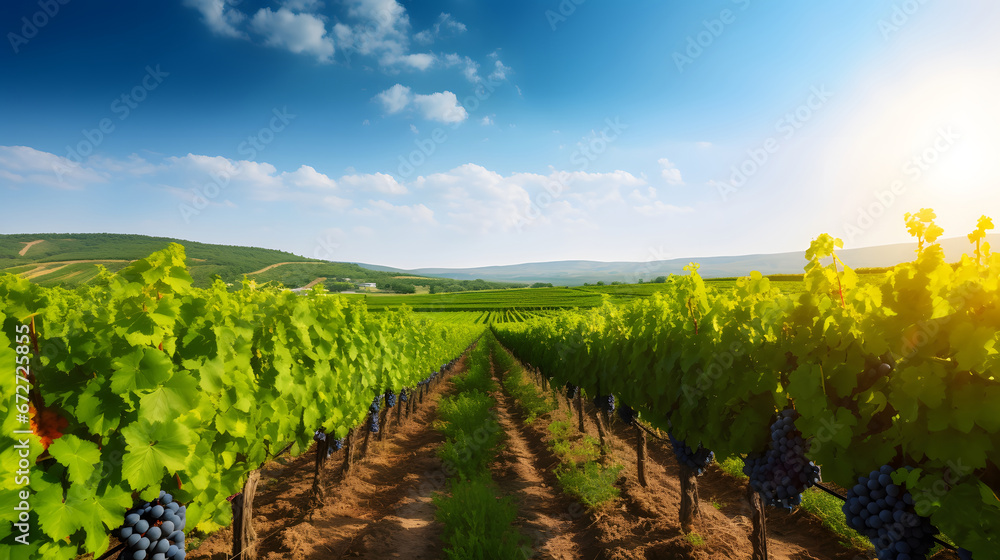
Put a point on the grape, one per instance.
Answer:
(376, 402)
(572, 391)
(390, 398)
(338, 444)
(605, 403)
(373, 415)
(896, 531)
(696, 460)
(403, 396)
(627, 414)
(319, 435)
(783, 472)
(154, 530)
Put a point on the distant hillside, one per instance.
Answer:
(573, 273)
(72, 258)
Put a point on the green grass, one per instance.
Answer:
(533, 402)
(695, 539)
(479, 524)
(828, 509)
(591, 483)
(823, 506)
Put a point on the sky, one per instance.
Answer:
(457, 133)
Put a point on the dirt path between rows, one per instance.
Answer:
(556, 523)
(644, 524)
(383, 509)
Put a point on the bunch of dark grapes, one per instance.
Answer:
(696, 460)
(572, 391)
(627, 414)
(782, 473)
(403, 397)
(390, 398)
(319, 436)
(883, 511)
(605, 403)
(154, 530)
(338, 444)
(373, 415)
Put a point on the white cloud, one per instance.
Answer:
(299, 33)
(470, 68)
(420, 61)
(444, 27)
(703, 144)
(219, 16)
(29, 167)
(486, 121)
(307, 177)
(414, 129)
(670, 173)
(395, 99)
(500, 71)
(379, 182)
(442, 107)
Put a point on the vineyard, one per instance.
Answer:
(140, 410)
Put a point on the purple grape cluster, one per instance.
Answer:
(572, 391)
(390, 398)
(695, 459)
(783, 472)
(883, 511)
(605, 403)
(373, 414)
(403, 395)
(154, 530)
(627, 414)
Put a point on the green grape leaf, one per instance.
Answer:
(140, 369)
(80, 457)
(153, 447)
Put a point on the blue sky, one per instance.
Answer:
(456, 133)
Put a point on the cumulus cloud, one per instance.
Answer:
(219, 16)
(420, 61)
(442, 106)
(669, 172)
(486, 121)
(27, 167)
(378, 182)
(298, 32)
(395, 99)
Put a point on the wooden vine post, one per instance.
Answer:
(640, 452)
(579, 408)
(244, 536)
(348, 452)
(319, 489)
(599, 418)
(758, 533)
(690, 508)
(399, 410)
(368, 437)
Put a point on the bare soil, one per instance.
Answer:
(383, 508)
